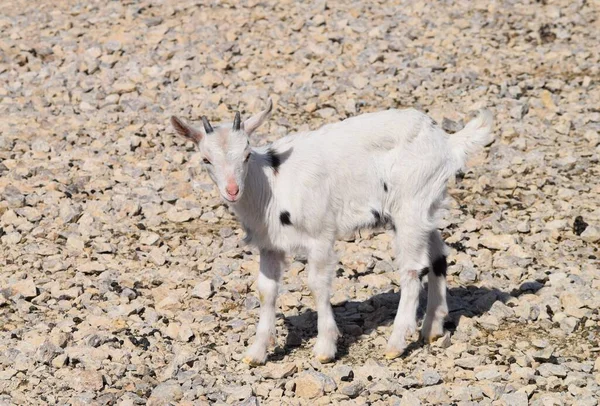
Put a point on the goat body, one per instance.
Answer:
(306, 190)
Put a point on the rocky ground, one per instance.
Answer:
(123, 277)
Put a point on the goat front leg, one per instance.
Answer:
(321, 268)
(271, 265)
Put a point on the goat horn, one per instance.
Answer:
(207, 127)
(237, 121)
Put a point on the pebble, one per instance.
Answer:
(83, 380)
(430, 377)
(313, 384)
(515, 399)
(497, 242)
(25, 288)
(165, 392)
(591, 234)
(279, 370)
(203, 290)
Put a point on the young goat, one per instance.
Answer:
(305, 190)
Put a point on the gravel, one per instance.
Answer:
(124, 278)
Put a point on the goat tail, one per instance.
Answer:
(476, 134)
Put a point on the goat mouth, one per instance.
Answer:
(232, 199)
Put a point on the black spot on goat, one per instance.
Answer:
(274, 160)
(440, 267)
(284, 217)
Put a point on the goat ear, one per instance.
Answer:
(250, 125)
(186, 131)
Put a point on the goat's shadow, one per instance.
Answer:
(355, 318)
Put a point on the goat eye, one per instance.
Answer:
(247, 157)
(206, 161)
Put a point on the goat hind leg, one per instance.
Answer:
(412, 258)
(437, 307)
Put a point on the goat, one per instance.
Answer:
(305, 190)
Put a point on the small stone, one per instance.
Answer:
(92, 267)
(523, 227)
(46, 352)
(468, 362)
(124, 86)
(430, 377)
(40, 145)
(157, 256)
(185, 333)
(352, 389)
(7, 373)
(279, 370)
(350, 106)
(238, 392)
(25, 288)
(69, 213)
(310, 107)
(313, 384)
(497, 242)
(327, 112)
(519, 111)
(539, 343)
(489, 373)
(359, 82)
(13, 197)
(571, 300)
(471, 225)
(60, 361)
(409, 398)
(342, 373)
(76, 243)
(591, 234)
(84, 380)
(149, 238)
(468, 275)
(548, 369)
(251, 401)
(515, 399)
(203, 290)
(165, 392)
(177, 216)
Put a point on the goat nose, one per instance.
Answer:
(232, 189)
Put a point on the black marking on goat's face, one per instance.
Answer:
(385, 188)
(381, 219)
(433, 122)
(377, 216)
(423, 273)
(284, 217)
(440, 266)
(274, 159)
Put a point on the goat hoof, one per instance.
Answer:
(252, 361)
(324, 359)
(432, 339)
(393, 353)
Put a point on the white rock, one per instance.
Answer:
(591, 234)
(203, 290)
(25, 288)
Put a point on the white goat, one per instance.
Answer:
(307, 189)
